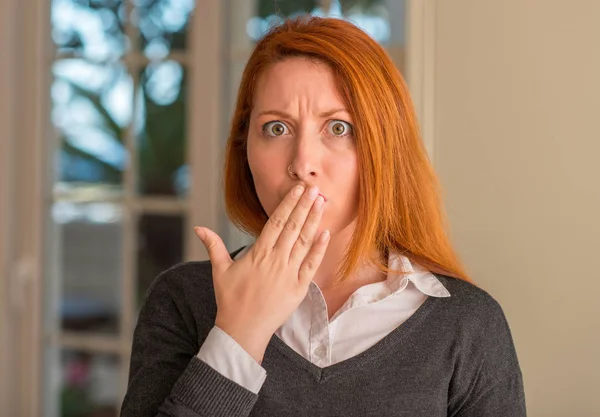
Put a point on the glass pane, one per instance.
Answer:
(91, 29)
(163, 25)
(268, 8)
(269, 13)
(370, 15)
(91, 108)
(161, 130)
(90, 265)
(90, 384)
(160, 245)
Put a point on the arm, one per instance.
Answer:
(221, 352)
(166, 377)
(487, 381)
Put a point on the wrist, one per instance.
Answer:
(252, 341)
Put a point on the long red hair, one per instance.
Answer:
(399, 208)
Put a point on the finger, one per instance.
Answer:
(272, 229)
(308, 234)
(295, 224)
(313, 260)
(217, 252)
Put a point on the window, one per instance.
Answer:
(140, 93)
(120, 206)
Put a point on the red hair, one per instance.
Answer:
(399, 208)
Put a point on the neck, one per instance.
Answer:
(325, 275)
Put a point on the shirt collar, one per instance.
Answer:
(423, 279)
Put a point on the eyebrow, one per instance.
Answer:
(287, 116)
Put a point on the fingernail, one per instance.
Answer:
(319, 202)
(200, 232)
(325, 236)
(298, 191)
(313, 191)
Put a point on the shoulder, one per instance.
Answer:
(473, 310)
(182, 278)
(187, 275)
(466, 295)
(477, 326)
(486, 374)
(188, 285)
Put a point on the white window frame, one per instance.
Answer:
(22, 47)
(420, 65)
(26, 56)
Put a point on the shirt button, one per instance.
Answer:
(321, 351)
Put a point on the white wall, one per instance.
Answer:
(517, 147)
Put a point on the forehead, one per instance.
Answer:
(295, 80)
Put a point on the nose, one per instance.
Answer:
(304, 164)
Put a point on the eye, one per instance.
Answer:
(275, 129)
(339, 128)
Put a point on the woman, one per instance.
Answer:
(351, 302)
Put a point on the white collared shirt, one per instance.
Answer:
(369, 314)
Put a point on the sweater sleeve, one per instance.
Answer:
(487, 380)
(166, 378)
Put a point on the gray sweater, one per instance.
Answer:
(453, 357)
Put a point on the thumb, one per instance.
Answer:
(217, 252)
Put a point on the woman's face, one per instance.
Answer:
(299, 119)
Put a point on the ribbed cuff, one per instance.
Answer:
(209, 393)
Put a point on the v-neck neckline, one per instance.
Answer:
(389, 341)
